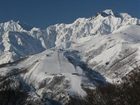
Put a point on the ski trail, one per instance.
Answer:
(59, 61)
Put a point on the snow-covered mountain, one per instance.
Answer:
(15, 38)
(66, 61)
(103, 23)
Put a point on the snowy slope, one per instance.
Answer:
(58, 74)
(112, 55)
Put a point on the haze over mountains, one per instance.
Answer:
(64, 61)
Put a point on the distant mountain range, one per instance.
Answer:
(65, 64)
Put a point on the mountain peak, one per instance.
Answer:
(25, 26)
(10, 26)
(108, 12)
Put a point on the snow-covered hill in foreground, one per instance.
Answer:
(66, 61)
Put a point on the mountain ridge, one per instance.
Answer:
(65, 35)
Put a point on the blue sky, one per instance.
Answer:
(41, 13)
